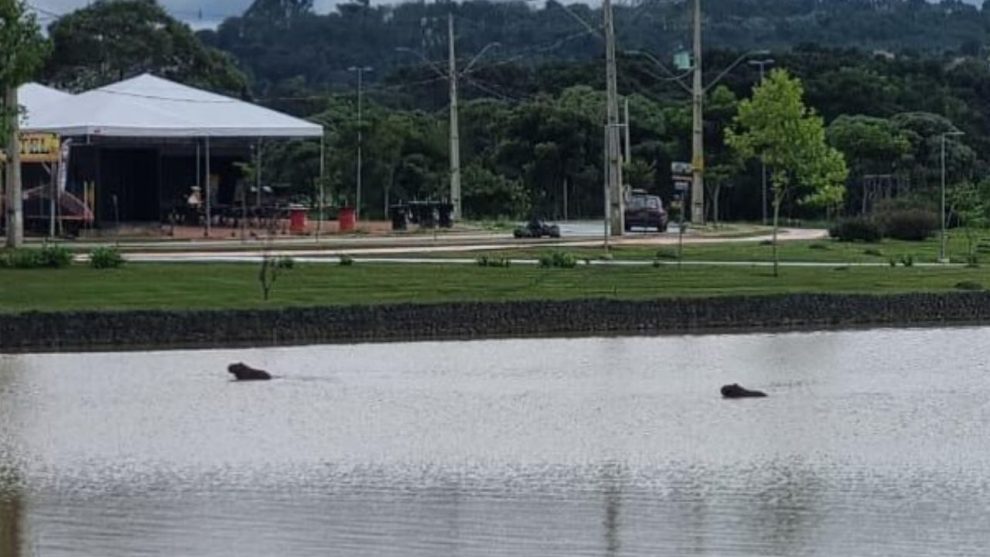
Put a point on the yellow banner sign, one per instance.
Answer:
(40, 147)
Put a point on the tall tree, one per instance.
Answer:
(111, 40)
(776, 127)
(22, 51)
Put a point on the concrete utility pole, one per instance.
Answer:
(628, 158)
(698, 138)
(614, 158)
(763, 64)
(455, 141)
(15, 202)
(360, 73)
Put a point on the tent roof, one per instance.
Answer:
(34, 96)
(149, 106)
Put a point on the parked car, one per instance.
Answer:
(645, 211)
(537, 228)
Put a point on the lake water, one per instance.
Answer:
(871, 443)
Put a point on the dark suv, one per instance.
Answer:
(645, 211)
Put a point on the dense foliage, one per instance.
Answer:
(112, 40)
(531, 111)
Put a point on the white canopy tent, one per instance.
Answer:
(34, 97)
(151, 107)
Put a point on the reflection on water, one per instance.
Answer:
(614, 446)
(10, 521)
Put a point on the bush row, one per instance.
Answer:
(53, 256)
(904, 224)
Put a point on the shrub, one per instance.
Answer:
(969, 285)
(485, 261)
(873, 252)
(20, 259)
(819, 247)
(54, 256)
(558, 259)
(564, 260)
(912, 225)
(346, 260)
(286, 263)
(972, 261)
(907, 260)
(105, 258)
(856, 229)
(666, 254)
(892, 261)
(50, 256)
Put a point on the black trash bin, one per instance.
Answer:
(446, 212)
(399, 217)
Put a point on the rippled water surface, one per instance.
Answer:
(871, 443)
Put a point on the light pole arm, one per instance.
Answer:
(732, 66)
(478, 56)
(425, 60)
(673, 77)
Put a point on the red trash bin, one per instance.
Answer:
(346, 219)
(297, 219)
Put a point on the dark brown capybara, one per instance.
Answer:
(246, 373)
(735, 391)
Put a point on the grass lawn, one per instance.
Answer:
(830, 251)
(202, 286)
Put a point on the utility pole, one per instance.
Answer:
(360, 73)
(15, 203)
(614, 158)
(628, 157)
(455, 141)
(698, 139)
(763, 64)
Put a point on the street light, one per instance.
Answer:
(941, 250)
(361, 70)
(698, 90)
(451, 76)
(763, 64)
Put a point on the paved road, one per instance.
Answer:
(419, 253)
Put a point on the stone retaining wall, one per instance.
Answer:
(36, 332)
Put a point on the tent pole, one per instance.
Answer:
(243, 190)
(257, 175)
(199, 175)
(323, 169)
(209, 188)
(51, 202)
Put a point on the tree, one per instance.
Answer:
(112, 40)
(776, 127)
(22, 51)
(969, 204)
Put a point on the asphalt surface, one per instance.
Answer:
(417, 249)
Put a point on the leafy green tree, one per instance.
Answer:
(969, 202)
(487, 194)
(871, 145)
(22, 51)
(775, 126)
(114, 39)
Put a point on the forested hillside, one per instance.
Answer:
(531, 112)
(278, 40)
